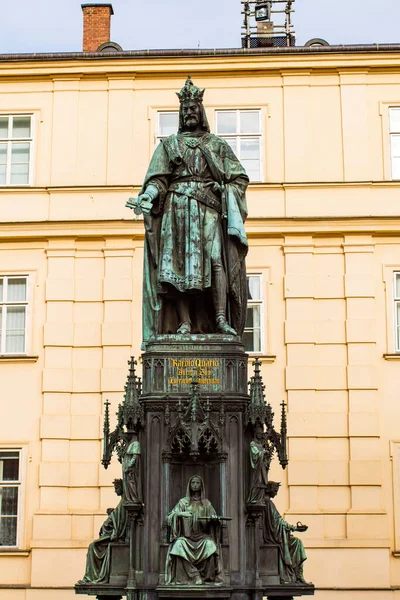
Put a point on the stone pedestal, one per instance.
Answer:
(219, 365)
(171, 362)
(194, 417)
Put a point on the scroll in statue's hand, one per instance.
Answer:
(145, 203)
(142, 204)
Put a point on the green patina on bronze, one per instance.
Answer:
(194, 555)
(113, 530)
(277, 531)
(194, 206)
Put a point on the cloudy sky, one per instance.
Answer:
(56, 25)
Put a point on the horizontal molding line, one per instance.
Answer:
(252, 186)
(320, 589)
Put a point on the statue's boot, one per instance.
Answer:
(300, 577)
(185, 325)
(223, 327)
(219, 299)
(184, 328)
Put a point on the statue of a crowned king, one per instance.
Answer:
(194, 206)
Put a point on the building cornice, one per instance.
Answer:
(256, 228)
(212, 62)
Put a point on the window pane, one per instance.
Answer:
(253, 317)
(16, 289)
(20, 153)
(15, 333)
(3, 161)
(168, 123)
(8, 501)
(21, 127)
(252, 168)
(3, 154)
(253, 287)
(397, 286)
(395, 145)
(232, 143)
(8, 531)
(398, 324)
(252, 340)
(20, 163)
(9, 466)
(3, 127)
(1, 290)
(250, 121)
(395, 168)
(19, 174)
(249, 148)
(226, 122)
(394, 116)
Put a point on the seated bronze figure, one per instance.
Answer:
(194, 555)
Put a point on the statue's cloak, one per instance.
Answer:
(201, 183)
(291, 550)
(194, 539)
(98, 556)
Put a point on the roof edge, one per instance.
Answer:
(339, 49)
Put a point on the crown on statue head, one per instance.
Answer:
(190, 92)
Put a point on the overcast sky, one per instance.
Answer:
(56, 25)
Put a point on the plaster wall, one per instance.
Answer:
(324, 233)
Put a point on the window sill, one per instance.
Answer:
(17, 358)
(263, 358)
(14, 552)
(394, 356)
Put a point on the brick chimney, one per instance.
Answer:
(96, 25)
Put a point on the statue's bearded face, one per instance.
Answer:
(191, 115)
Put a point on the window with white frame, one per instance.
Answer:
(10, 492)
(15, 149)
(13, 314)
(252, 335)
(396, 300)
(242, 130)
(168, 123)
(394, 129)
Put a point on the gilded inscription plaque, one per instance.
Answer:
(182, 371)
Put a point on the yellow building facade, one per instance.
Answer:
(318, 129)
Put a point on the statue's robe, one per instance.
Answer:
(291, 550)
(99, 552)
(199, 180)
(259, 475)
(195, 547)
(131, 480)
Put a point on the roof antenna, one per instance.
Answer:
(259, 30)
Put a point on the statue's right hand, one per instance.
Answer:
(185, 514)
(145, 202)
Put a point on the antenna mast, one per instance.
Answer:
(260, 31)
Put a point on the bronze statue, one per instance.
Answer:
(194, 206)
(112, 530)
(277, 531)
(260, 460)
(194, 555)
(131, 472)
